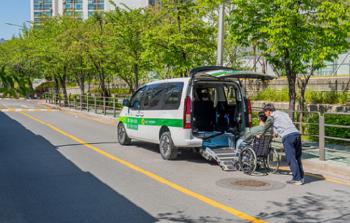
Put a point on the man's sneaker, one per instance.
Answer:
(296, 182)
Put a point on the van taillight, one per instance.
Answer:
(250, 119)
(187, 113)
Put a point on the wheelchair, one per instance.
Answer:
(259, 154)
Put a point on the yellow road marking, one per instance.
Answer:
(153, 176)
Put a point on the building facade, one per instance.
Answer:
(79, 8)
(40, 8)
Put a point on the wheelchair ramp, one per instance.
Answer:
(227, 158)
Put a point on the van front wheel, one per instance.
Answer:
(167, 147)
(123, 138)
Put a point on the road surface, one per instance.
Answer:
(59, 167)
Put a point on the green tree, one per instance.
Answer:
(53, 50)
(296, 37)
(18, 65)
(127, 30)
(180, 38)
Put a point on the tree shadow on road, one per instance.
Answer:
(311, 207)
(40, 185)
(181, 216)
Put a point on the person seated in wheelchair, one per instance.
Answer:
(256, 131)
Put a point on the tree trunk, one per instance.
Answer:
(101, 77)
(291, 77)
(131, 89)
(264, 65)
(62, 80)
(81, 78)
(136, 74)
(291, 94)
(81, 83)
(183, 53)
(31, 89)
(89, 83)
(254, 59)
(82, 86)
(302, 85)
(57, 88)
(103, 87)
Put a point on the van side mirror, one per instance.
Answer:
(126, 102)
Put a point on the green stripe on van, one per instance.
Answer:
(132, 122)
(219, 73)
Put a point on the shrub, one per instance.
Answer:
(115, 91)
(271, 94)
(311, 96)
(119, 91)
(333, 119)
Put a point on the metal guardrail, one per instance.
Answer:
(322, 125)
(96, 104)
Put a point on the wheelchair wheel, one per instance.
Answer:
(248, 160)
(273, 161)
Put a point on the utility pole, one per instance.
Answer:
(220, 44)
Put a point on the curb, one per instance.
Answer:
(86, 115)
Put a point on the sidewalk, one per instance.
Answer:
(333, 169)
(330, 170)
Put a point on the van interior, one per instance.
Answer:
(217, 108)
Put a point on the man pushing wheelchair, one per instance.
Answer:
(255, 145)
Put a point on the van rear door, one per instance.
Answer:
(219, 73)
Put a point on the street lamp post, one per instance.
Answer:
(220, 44)
(10, 24)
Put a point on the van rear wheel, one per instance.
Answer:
(123, 137)
(167, 149)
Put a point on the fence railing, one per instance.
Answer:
(89, 103)
(315, 126)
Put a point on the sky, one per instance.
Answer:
(15, 12)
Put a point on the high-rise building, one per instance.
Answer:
(73, 8)
(40, 8)
(96, 6)
(79, 8)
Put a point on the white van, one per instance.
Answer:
(180, 113)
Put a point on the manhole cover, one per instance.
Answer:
(249, 184)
